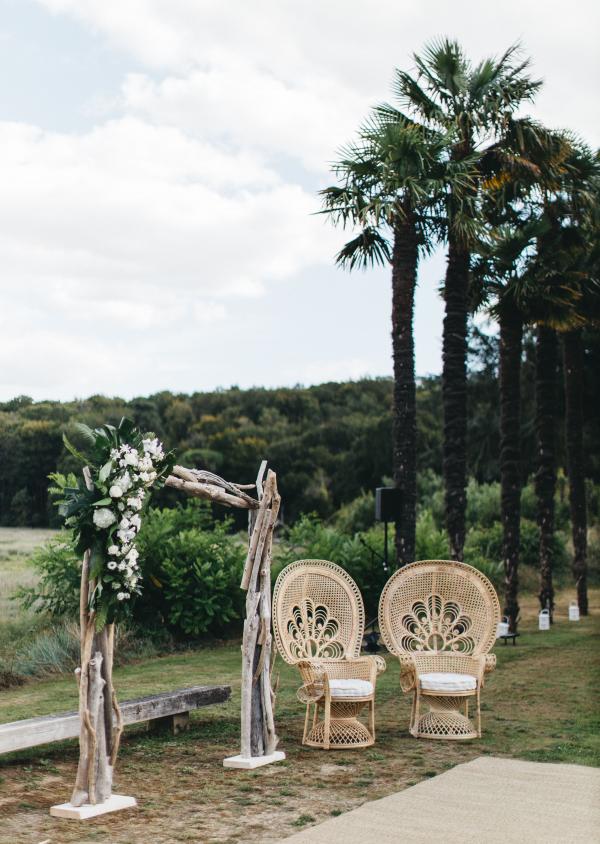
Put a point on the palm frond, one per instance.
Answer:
(369, 248)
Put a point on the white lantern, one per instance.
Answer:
(544, 620)
(502, 629)
(573, 611)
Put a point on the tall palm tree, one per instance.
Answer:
(518, 175)
(475, 103)
(392, 186)
(566, 261)
(502, 268)
(546, 364)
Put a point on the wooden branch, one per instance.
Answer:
(211, 493)
(204, 477)
(251, 624)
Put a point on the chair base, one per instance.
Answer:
(344, 734)
(345, 730)
(444, 720)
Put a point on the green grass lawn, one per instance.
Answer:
(540, 704)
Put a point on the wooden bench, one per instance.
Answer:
(168, 710)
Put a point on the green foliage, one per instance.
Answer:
(191, 566)
(54, 651)
(483, 549)
(329, 443)
(361, 555)
(202, 572)
(431, 541)
(59, 569)
(357, 515)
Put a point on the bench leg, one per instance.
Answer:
(173, 724)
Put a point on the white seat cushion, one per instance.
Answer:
(440, 681)
(350, 688)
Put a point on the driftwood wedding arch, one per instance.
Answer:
(101, 723)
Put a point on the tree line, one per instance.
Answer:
(451, 161)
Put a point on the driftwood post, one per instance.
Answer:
(99, 736)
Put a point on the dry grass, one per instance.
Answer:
(540, 704)
(16, 545)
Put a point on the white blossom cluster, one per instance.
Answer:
(133, 471)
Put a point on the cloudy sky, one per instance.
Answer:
(159, 167)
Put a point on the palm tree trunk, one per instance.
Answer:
(454, 394)
(573, 366)
(545, 478)
(404, 278)
(511, 340)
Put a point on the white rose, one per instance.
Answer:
(115, 491)
(133, 555)
(121, 566)
(121, 596)
(112, 564)
(134, 503)
(136, 521)
(103, 517)
(113, 550)
(131, 458)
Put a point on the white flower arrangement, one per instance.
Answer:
(131, 472)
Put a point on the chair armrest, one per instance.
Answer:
(380, 663)
(408, 672)
(315, 682)
(490, 663)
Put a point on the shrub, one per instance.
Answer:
(191, 568)
(57, 591)
(55, 651)
(431, 541)
(483, 549)
(361, 555)
(483, 504)
(357, 515)
(202, 572)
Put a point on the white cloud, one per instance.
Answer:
(343, 49)
(279, 119)
(129, 233)
(173, 223)
(134, 204)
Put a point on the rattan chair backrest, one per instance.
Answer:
(317, 612)
(438, 605)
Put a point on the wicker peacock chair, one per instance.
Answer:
(318, 620)
(440, 618)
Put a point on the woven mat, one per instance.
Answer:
(485, 801)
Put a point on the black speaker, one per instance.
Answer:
(388, 501)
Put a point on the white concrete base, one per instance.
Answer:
(247, 764)
(115, 803)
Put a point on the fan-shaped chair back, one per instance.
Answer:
(436, 606)
(317, 612)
